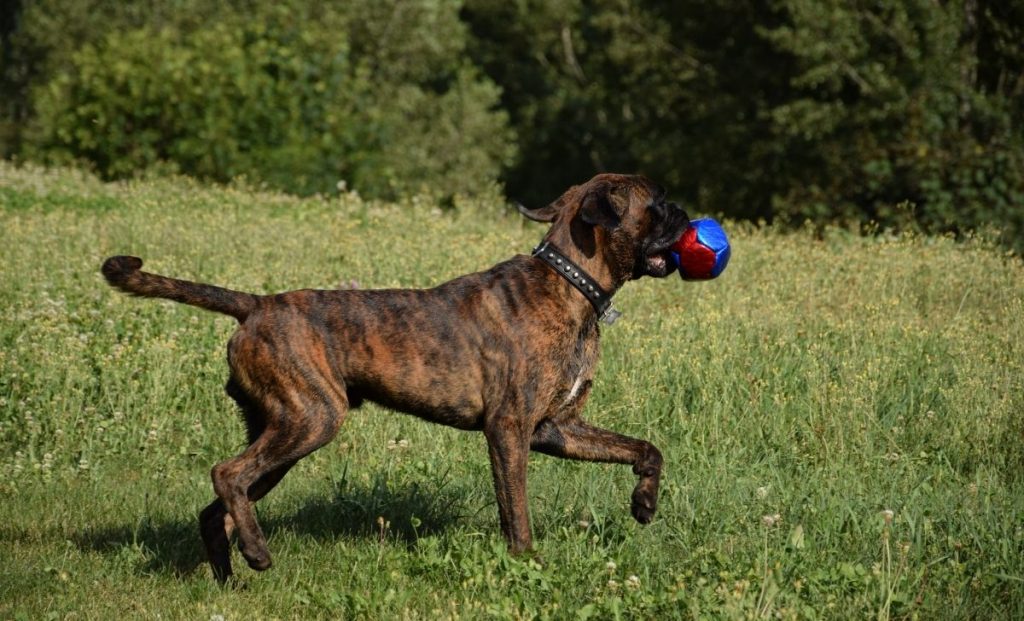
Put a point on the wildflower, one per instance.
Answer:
(613, 585)
(633, 581)
(762, 492)
(887, 515)
(771, 520)
(610, 566)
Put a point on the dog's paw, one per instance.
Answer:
(258, 559)
(643, 506)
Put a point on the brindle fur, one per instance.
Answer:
(510, 351)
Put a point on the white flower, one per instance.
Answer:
(888, 515)
(762, 492)
(633, 582)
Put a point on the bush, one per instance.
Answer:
(786, 110)
(888, 113)
(282, 97)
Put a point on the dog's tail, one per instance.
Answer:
(125, 274)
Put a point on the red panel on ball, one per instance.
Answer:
(695, 259)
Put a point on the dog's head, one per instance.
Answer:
(620, 221)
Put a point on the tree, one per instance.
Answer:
(298, 96)
(783, 110)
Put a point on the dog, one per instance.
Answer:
(509, 351)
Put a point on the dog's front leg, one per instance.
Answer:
(509, 448)
(576, 439)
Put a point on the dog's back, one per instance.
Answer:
(442, 354)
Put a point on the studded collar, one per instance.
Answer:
(598, 297)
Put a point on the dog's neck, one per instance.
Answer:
(582, 244)
(589, 275)
(575, 275)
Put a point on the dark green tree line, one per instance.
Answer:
(378, 94)
(778, 109)
(792, 109)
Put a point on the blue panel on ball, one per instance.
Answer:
(710, 233)
(721, 261)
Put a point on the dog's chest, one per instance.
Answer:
(576, 385)
(579, 364)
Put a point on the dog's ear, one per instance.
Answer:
(550, 212)
(541, 214)
(603, 206)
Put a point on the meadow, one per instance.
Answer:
(840, 416)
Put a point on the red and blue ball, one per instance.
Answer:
(703, 250)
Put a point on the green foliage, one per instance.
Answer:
(789, 110)
(908, 114)
(823, 380)
(297, 97)
(891, 111)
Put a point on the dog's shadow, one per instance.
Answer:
(376, 510)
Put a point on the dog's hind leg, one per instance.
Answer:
(216, 525)
(308, 421)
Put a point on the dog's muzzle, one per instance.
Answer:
(670, 221)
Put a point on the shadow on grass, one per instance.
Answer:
(403, 513)
(379, 510)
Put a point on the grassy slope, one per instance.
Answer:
(824, 381)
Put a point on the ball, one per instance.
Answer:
(703, 250)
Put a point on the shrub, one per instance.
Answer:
(286, 98)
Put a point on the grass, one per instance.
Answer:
(840, 418)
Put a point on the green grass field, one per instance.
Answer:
(841, 420)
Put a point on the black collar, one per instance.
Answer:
(600, 299)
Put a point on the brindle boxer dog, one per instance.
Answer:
(510, 351)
